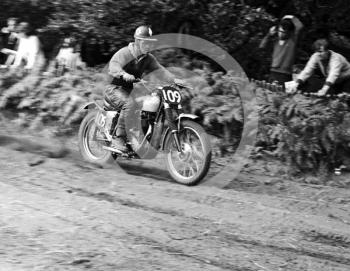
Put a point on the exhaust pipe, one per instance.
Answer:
(112, 149)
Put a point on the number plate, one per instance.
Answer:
(100, 119)
(171, 95)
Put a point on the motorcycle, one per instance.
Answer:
(162, 127)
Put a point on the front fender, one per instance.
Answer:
(185, 116)
(178, 119)
(188, 116)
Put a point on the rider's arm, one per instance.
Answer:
(118, 61)
(159, 71)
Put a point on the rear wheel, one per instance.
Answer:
(91, 141)
(191, 165)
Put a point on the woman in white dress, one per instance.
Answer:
(29, 50)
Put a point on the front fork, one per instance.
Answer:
(172, 125)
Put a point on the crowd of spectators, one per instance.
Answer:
(326, 72)
(21, 48)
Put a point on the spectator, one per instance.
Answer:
(8, 42)
(284, 38)
(333, 70)
(68, 59)
(28, 48)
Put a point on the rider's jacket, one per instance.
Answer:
(129, 60)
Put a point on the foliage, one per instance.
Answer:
(220, 107)
(104, 26)
(308, 133)
(49, 99)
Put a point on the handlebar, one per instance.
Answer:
(176, 82)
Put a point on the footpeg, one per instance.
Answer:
(112, 149)
(128, 155)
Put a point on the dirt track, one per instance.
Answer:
(64, 214)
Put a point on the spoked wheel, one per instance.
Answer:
(91, 141)
(191, 165)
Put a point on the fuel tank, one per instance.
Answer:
(151, 103)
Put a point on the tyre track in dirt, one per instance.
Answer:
(180, 253)
(199, 223)
(92, 236)
(151, 243)
(45, 188)
(224, 237)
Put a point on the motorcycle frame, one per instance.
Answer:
(159, 117)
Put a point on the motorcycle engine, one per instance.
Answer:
(146, 119)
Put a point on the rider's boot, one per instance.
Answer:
(119, 143)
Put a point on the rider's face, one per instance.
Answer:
(145, 46)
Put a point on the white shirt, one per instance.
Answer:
(338, 67)
(68, 58)
(28, 49)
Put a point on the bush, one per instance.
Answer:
(48, 99)
(220, 108)
(309, 134)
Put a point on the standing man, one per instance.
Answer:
(284, 38)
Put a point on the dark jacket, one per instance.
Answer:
(127, 60)
(283, 55)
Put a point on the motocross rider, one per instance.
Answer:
(127, 66)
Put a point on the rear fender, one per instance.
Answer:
(90, 105)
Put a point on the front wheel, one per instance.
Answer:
(191, 165)
(91, 141)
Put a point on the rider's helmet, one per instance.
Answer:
(144, 32)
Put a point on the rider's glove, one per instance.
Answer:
(179, 81)
(128, 77)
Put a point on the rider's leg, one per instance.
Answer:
(127, 105)
(119, 99)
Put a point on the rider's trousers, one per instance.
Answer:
(120, 99)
